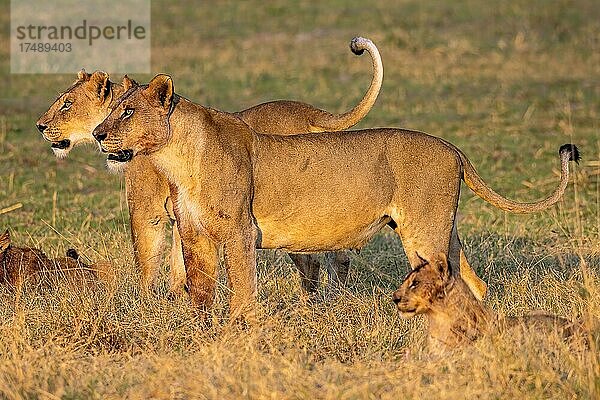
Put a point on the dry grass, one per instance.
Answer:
(111, 344)
(508, 83)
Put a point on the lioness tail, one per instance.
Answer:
(350, 118)
(567, 152)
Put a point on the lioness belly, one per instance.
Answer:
(299, 235)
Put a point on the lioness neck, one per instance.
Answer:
(199, 137)
(184, 142)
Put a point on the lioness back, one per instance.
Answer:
(285, 116)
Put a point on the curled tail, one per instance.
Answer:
(339, 122)
(567, 152)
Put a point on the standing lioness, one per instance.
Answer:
(73, 116)
(242, 190)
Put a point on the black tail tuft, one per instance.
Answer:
(573, 151)
(354, 46)
(72, 253)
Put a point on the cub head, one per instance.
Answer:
(4, 241)
(71, 119)
(423, 287)
(139, 123)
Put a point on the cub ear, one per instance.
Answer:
(445, 280)
(128, 83)
(4, 240)
(82, 76)
(423, 262)
(161, 88)
(442, 266)
(100, 84)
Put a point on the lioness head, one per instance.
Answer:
(139, 123)
(71, 119)
(423, 286)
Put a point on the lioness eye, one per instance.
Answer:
(66, 105)
(414, 284)
(127, 113)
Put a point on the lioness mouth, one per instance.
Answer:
(63, 144)
(121, 156)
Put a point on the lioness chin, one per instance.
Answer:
(71, 119)
(327, 191)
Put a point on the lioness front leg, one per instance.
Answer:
(147, 192)
(201, 258)
(240, 263)
(177, 269)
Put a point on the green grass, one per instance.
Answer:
(507, 82)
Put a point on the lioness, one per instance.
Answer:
(76, 112)
(327, 191)
(455, 316)
(19, 264)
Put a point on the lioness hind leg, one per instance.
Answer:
(476, 284)
(425, 225)
(420, 247)
(308, 265)
(457, 257)
(337, 269)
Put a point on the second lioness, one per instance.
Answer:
(328, 191)
(73, 116)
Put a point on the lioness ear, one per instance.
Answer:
(161, 88)
(82, 75)
(128, 83)
(100, 85)
(4, 240)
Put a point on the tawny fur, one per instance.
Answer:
(321, 192)
(27, 264)
(455, 316)
(150, 203)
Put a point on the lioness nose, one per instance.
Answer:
(100, 136)
(41, 127)
(396, 297)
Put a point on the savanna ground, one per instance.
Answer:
(508, 82)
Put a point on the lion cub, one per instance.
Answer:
(21, 264)
(455, 316)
